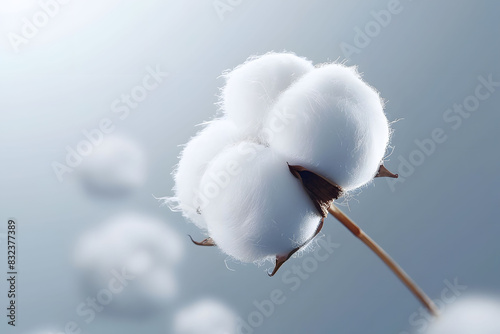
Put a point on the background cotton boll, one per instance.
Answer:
(253, 87)
(193, 162)
(141, 247)
(471, 315)
(115, 168)
(335, 126)
(255, 208)
(206, 316)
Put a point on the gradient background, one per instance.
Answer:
(441, 223)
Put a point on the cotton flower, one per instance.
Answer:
(294, 137)
(206, 316)
(471, 315)
(253, 87)
(140, 248)
(336, 126)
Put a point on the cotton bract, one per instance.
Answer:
(255, 209)
(334, 124)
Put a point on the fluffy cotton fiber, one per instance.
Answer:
(194, 160)
(256, 209)
(253, 87)
(206, 316)
(335, 125)
(472, 315)
(138, 245)
(233, 179)
(116, 167)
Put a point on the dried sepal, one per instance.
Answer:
(384, 172)
(206, 242)
(321, 190)
(281, 259)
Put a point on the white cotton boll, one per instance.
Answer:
(194, 160)
(116, 167)
(254, 207)
(471, 315)
(143, 250)
(333, 123)
(206, 316)
(253, 87)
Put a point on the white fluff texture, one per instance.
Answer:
(116, 167)
(471, 315)
(193, 162)
(254, 207)
(253, 87)
(333, 123)
(206, 316)
(233, 179)
(139, 246)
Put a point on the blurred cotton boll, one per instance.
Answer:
(254, 207)
(135, 254)
(470, 315)
(335, 126)
(193, 162)
(206, 316)
(253, 87)
(115, 168)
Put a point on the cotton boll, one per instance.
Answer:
(471, 315)
(116, 167)
(253, 87)
(193, 162)
(333, 123)
(206, 316)
(143, 250)
(254, 207)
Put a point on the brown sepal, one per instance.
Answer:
(207, 242)
(280, 259)
(384, 172)
(321, 190)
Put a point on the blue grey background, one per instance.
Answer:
(440, 224)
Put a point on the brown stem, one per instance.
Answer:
(396, 269)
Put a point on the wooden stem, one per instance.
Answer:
(396, 269)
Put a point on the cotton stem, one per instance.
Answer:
(396, 269)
